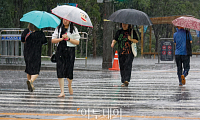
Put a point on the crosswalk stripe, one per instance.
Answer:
(144, 95)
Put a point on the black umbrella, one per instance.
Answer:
(130, 16)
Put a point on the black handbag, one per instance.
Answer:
(53, 58)
(188, 44)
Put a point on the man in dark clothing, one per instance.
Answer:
(181, 54)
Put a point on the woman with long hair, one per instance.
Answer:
(67, 37)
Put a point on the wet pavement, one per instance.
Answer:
(153, 93)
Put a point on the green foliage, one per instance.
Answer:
(195, 44)
(195, 48)
(44, 50)
(121, 0)
(12, 10)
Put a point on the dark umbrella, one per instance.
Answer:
(130, 16)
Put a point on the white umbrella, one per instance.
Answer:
(73, 14)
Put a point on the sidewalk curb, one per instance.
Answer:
(43, 67)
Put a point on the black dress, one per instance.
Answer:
(65, 57)
(32, 50)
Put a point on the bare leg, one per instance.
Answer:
(33, 77)
(70, 86)
(28, 76)
(61, 83)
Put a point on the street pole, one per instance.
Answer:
(107, 35)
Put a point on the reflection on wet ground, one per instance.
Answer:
(150, 93)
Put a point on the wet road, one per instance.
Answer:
(153, 94)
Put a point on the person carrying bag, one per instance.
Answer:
(53, 57)
(67, 37)
(182, 41)
(124, 40)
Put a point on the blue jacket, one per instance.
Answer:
(180, 40)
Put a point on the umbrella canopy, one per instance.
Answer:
(130, 16)
(41, 19)
(73, 14)
(187, 22)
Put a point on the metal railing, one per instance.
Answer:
(11, 48)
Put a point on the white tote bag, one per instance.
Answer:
(134, 49)
(133, 45)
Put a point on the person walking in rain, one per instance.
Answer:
(126, 56)
(181, 54)
(67, 37)
(33, 40)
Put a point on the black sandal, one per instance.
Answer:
(29, 85)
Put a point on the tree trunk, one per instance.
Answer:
(20, 2)
(94, 44)
(15, 13)
(107, 37)
(49, 44)
(94, 34)
(156, 33)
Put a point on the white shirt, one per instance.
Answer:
(75, 35)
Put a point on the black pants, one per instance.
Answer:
(125, 63)
(182, 61)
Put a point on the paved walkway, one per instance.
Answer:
(96, 64)
(153, 94)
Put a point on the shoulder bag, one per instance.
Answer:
(188, 44)
(53, 57)
(133, 45)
